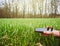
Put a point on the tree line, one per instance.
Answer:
(30, 9)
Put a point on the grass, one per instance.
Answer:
(20, 32)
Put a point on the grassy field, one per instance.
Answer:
(20, 32)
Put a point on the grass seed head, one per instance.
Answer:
(38, 44)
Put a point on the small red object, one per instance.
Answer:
(49, 28)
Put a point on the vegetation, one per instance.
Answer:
(21, 32)
(29, 8)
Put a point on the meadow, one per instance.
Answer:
(21, 32)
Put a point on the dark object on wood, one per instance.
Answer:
(49, 28)
(52, 29)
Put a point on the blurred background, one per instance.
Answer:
(29, 8)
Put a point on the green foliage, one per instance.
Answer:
(20, 32)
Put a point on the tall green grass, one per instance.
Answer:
(21, 32)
